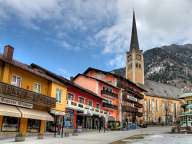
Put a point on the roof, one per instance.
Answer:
(115, 75)
(184, 95)
(96, 80)
(134, 38)
(66, 81)
(161, 90)
(28, 68)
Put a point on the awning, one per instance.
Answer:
(35, 114)
(8, 110)
(56, 112)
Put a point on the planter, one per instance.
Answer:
(19, 138)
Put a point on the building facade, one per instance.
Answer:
(109, 94)
(25, 98)
(130, 96)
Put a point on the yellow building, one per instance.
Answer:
(161, 103)
(27, 97)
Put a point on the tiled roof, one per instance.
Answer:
(64, 80)
(28, 68)
(95, 79)
(115, 75)
(184, 95)
(161, 90)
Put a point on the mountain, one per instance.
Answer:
(168, 64)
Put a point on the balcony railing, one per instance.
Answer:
(129, 109)
(85, 108)
(138, 105)
(111, 106)
(139, 114)
(105, 92)
(20, 95)
(136, 94)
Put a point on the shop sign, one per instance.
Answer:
(15, 102)
(132, 98)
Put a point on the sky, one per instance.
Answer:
(68, 36)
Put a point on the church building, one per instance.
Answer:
(161, 104)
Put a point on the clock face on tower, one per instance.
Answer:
(138, 57)
(129, 58)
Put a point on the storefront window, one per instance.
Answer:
(69, 119)
(33, 125)
(10, 124)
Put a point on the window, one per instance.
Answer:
(58, 95)
(37, 87)
(81, 100)
(175, 109)
(145, 105)
(33, 125)
(70, 97)
(10, 124)
(107, 88)
(90, 102)
(148, 104)
(16, 80)
(137, 65)
(152, 103)
(157, 106)
(97, 105)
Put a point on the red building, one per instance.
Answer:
(108, 92)
(84, 108)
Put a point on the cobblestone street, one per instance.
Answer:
(153, 134)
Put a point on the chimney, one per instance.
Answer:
(8, 52)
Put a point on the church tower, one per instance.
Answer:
(134, 58)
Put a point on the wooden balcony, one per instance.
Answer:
(136, 94)
(129, 109)
(111, 106)
(13, 95)
(139, 114)
(111, 94)
(138, 105)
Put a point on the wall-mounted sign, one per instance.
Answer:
(16, 103)
(132, 98)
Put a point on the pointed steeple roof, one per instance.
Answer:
(134, 38)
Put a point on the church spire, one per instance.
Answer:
(134, 38)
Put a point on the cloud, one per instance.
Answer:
(158, 22)
(118, 61)
(78, 24)
(63, 72)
